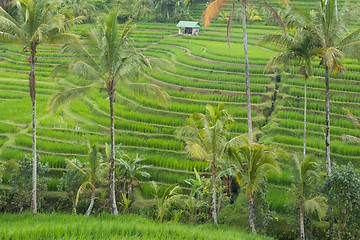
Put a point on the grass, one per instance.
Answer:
(105, 226)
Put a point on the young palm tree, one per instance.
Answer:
(107, 64)
(93, 172)
(163, 201)
(205, 137)
(335, 40)
(38, 21)
(210, 12)
(251, 162)
(131, 167)
(299, 48)
(305, 177)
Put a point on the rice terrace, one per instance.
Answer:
(180, 119)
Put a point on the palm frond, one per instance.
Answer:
(68, 95)
(153, 91)
(316, 204)
(211, 11)
(228, 28)
(276, 15)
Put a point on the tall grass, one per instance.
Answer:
(105, 226)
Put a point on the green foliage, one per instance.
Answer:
(342, 188)
(17, 198)
(54, 226)
(163, 201)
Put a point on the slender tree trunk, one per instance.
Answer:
(247, 74)
(327, 143)
(213, 169)
(302, 227)
(167, 12)
(32, 83)
(112, 160)
(91, 203)
(327, 139)
(252, 214)
(305, 111)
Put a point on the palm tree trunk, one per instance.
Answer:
(91, 203)
(327, 122)
(247, 74)
(327, 143)
(302, 227)
(32, 83)
(213, 169)
(112, 160)
(251, 214)
(305, 111)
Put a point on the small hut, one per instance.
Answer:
(191, 28)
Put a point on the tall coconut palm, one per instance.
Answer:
(305, 177)
(251, 163)
(37, 21)
(93, 172)
(299, 48)
(335, 39)
(109, 64)
(205, 137)
(210, 12)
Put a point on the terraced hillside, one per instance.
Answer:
(207, 71)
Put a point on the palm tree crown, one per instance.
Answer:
(37, 21)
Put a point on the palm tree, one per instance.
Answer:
(335, 39)
(305, 177)
(107, 64)
(298, 48)
(93, 172)
(131, 167)
(251, 162)
(205, 137)
(38, 21)
(163, 201)
(210, 12)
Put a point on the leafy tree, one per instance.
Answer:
(335, 40)
(251, 162)
(109, 64)
(342, 189)
(21, 186)
(131, 166)
(205, 137)
(299, 47)
(81, 8)
(37, 21)
(91, 174)
(164, 200)
(305, 177)
(210, 12)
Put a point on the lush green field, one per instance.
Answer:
(207, 71)
(62, 226)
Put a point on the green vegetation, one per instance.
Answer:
(58, 226)
(206, 72)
